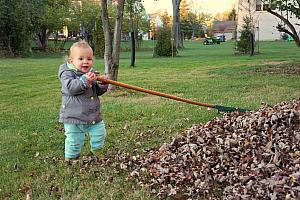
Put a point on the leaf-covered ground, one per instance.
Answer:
(253, 155)
(32, 140)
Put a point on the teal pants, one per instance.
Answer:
(75, 134)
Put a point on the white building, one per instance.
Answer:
(264, 23)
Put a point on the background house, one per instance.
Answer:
(264, 23)
(227, 28)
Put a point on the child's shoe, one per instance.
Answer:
(71, 159)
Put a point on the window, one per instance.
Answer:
(273, 5)
(264, 5)
(258, 5)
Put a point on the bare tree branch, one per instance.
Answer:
(281, 29)
(285, 20)
(292, 32)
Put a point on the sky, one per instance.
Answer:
(206, 6)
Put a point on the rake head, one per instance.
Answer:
(229, 109)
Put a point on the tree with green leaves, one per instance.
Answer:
(88, 14)
(85, 20)
(190, 24)
(243, 44)
(15, 27)
(48, 17)
(98, 38)
(164, 46)
(286, 8)
(134, 10)
(232, 15)
(204, 19)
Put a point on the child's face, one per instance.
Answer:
(82, 58)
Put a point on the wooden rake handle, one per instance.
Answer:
(132, 87)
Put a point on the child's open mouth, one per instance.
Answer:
(85, 67)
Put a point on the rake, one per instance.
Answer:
(220, 108)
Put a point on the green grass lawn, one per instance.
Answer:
(32, 140)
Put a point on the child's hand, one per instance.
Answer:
(105, 77)
(91, 77)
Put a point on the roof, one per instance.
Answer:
(223, 25)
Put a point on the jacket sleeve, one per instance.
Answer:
(101, 89)
(72, 85)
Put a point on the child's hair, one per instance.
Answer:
(81, 44)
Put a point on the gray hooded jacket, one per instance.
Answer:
(80, 103)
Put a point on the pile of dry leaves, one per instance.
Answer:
(253, 155)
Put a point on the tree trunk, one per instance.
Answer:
(117, 39)
(292, 32)
(132, 55)
(107, 38)
(9, 47)
(176, 24)
(112, 50)
(42, 39)
(132, 37)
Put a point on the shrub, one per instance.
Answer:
(164, 46)
(243, 44)
(98, 39)
(284, 36)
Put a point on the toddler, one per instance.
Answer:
(80, 108)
